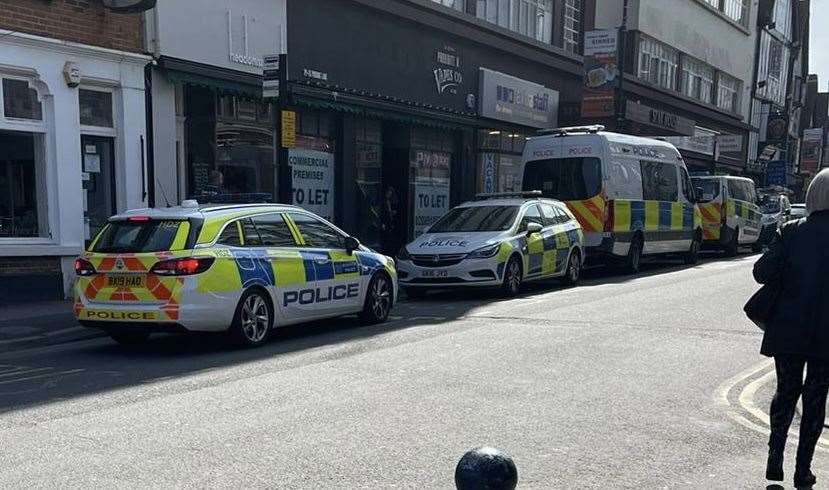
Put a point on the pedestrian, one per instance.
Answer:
(797, 330)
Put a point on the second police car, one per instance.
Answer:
(243, 269)
(499, 240)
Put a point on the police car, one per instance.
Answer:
(499, 240)
(244, 269)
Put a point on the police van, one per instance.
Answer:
(731, 217)
(243, 269)
(632, 196)
(498, 240)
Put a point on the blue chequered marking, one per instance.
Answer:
(664, 216)
(368, 263)
(536, 261)
(345, 267)
(561, 257)
(321, 271)
(501, 269)
(687, 217)
(254, 268)
(550, 242)
(637, 215)
(573, 236)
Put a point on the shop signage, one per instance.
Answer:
(488, 173)
(312, 178)
(730, 143)
(811, 150)
(667, 121)
(271, 75)
(705, 145)
(777, 128)
(518, 101)
(430, 175)
(448, 77)
(288, 129)
(600, 73)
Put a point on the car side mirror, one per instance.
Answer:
(351, 244)
(533, 227)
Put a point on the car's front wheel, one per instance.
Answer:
(573, 272)
(378, 301)
(253, 319)
(513, 277)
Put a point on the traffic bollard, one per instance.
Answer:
(486, 468)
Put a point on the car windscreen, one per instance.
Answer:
(137, 236)
(710, 188)
(476, 218)
(565, 179)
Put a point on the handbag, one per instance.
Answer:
(760, 306)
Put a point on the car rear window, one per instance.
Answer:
(137, 236)
(565, 179)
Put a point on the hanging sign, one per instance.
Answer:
(288, 129)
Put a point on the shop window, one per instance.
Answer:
(21, 101)
(369, 170)
(499, 160)
(230, 148)
(312, 164)
(95, 108)
(22, 195)
(659, 182)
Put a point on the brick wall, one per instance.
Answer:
(15, 266)
(82, 21)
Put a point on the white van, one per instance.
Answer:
(633, 196)
(731, 217)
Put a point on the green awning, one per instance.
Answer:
(217, 84)
(328, 105)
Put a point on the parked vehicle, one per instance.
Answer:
(500, 240)
(776, 210)
(632, 196)
(798, 211)
(243, 269)
(731, 217)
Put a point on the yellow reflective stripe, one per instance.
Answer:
(240, 232)
(288, 267)
(222, 276)
(548, 262)
(294, 230)
(504, 251)
(181, 236)
(97, 237)
(676, 216)
(621, 216)
(535, 245)
(651, 215)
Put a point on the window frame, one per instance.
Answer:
(661, 52)
(289, 215)
(523, 215)
(649, 196)
(281, 214)
(99, 130)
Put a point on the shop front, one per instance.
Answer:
(72, 134)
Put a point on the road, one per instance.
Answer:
(646, 382)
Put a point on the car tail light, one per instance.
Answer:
(609, 216)
(182, 267)
(84, 268)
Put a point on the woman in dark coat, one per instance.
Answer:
(797, 333)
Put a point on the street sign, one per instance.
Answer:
(776, 173)
(730, 143)
(271, 75)
(288, 129)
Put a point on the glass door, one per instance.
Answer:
(98, 174)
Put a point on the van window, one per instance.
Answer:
(741, 190)
(565, 179)
(625, 180)
(659, 182)
(710, 188)
(687, 188)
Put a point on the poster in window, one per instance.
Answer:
(430, 179)
(92, 163)
(312, 174)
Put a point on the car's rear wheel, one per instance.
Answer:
(130, 339)
(513, 277)
(573, 272)
(253, 319)
(378, 301)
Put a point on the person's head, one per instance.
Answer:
(817, 197)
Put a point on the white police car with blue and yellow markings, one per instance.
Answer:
(245, 269)
(499, 240)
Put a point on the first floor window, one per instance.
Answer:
(22, 196)
(454, 4)
(658, 63)
(728, 93)
(697, 79)
(531, 18)
(572, 25)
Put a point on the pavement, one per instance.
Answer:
(652, 381)
(39, 323)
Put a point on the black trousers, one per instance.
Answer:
(790, 386)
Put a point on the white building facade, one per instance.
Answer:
(72, 130)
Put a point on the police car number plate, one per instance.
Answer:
(435, 273)
(125, 281)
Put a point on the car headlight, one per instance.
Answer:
(403, 254)
(484, 252)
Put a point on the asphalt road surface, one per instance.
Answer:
(646, 382)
